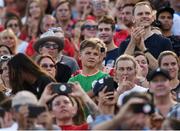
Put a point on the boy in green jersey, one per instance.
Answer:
(90, 52)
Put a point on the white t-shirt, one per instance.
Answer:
(136, 88)
(21, 48)
(14, 127)
(176, 27)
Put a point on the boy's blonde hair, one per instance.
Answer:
(93, 43)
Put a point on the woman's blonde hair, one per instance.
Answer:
(9, 32)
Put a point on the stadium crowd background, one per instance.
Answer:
(89, 64)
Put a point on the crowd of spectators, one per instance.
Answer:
(89, 65)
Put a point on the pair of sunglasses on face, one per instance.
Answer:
(90, 27)
(46, 65)
(51, 46)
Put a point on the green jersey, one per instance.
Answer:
(87, 82)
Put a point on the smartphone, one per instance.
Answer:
(34, 110)
(145, 108)
(110, 83)
(62, 88)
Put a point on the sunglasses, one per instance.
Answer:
(90, 27)
(51, 46)
(45, 65)
(12, 25)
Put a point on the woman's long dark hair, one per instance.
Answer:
(80, 117)
(21, 64)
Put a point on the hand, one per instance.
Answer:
(129, 119)
(124, 86)
(86, 12)
(156, 121)
(106, 102)
(107, 98)
(77, 30)
(139, 80)
(77, 90)
(47, 94)
(141, 45)
(136, 34)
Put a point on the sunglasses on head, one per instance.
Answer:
(45, 65)
(48, 45)
(89, 27)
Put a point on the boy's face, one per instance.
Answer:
(90, 57)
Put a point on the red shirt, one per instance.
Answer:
(68, 48)
(120, 36)
(75, 127)
(30, 50)
(1, 28)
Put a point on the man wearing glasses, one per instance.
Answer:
(52, 43)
